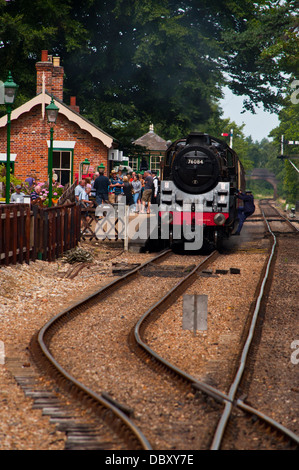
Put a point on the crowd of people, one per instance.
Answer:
(38, 192)
(140, 190)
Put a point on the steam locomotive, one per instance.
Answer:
(199, 180)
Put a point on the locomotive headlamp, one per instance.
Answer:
(219, 219)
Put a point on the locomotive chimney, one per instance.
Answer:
(198, 138)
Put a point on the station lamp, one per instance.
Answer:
(10, 91)
(84, 167)
(101, 167)
(52, 113)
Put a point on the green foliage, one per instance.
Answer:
(289, 128)
(167, 60)
(135, 63)
(26, 29)
(260, 188)
(262, 51)
(13, 180)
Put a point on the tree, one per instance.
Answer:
(143, 58)
(153, 61)
(289, 128)
(28, 27)
(262, 53)
(167, 61)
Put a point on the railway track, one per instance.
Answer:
(276, 221)
(108, 410)
(229, 400)
(40, 349)
(232, 400)
(118, 415)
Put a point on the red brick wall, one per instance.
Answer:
(29, 135)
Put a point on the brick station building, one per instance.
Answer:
(75, 138)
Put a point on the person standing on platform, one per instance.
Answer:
(147, 193)
(128, 191)
(120, 175)
(30, 180)
(88, 183)
(79, 189)
(93, 191)
(132, 176)
(246, 210)
(141, 179)
(136, 185)
(155, 188)
(116, 185)
(101, 187)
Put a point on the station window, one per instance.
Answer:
(62, 165)
(155, 163)
(133, 163)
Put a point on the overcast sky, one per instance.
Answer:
(257, 125)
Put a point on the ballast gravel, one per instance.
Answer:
(31, 295)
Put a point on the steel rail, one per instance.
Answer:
(281, 217)
(171, 296)
(268, 420)
(96, 399)
(46, 332)
(234, 386)
(227, 399)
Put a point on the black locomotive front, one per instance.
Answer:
(200, 176)
(195, 167)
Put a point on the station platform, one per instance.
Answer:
(141, 228)
(136, 229)
(118, 224)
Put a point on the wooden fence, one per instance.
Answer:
(30, 233)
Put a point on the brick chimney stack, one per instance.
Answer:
(53, 72)
(73, 104)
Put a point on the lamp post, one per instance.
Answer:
(10, 90)
(101, 167)
(52, 113)
(84, 167)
